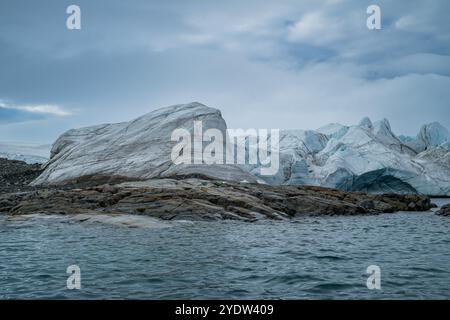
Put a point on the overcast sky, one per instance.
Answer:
(265, 64)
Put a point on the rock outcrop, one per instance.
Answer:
(15, 175)
(197, 199)
(444, 211)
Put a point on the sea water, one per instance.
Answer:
(307, 258)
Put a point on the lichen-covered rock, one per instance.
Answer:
(197, 199)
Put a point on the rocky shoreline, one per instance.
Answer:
(190, 198)
(444, 211)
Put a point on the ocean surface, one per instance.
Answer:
(309, 258)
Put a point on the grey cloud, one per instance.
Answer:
(243, 57)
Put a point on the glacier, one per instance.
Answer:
(139, 149)
(29, 153)
(430, 135)
(366, 157)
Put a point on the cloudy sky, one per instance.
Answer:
(265, 64)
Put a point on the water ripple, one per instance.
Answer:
(309, 258)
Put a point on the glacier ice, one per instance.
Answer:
(29, 153)
(367, 157)
(139, 149)
(363, 157)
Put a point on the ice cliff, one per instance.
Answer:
(364, 157)
(139, 149)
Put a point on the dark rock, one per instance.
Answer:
(444, 211)
(196, 199)
(367, 204)
(16, 175)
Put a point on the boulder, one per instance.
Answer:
(444, 211)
